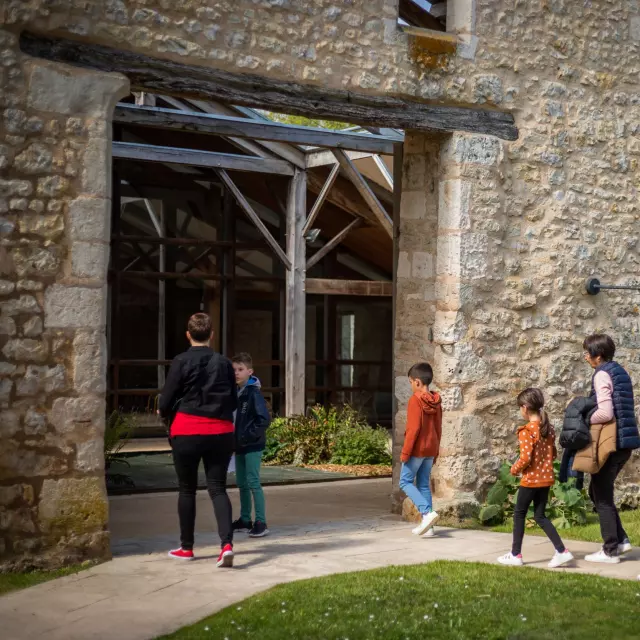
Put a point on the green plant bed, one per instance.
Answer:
(14, 581)
(442, 600)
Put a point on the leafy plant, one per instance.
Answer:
(118, 431)
(361, 445)
(567, 505)
(315, 438)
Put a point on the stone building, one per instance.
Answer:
(494, 239)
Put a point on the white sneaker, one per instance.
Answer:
(510, 560)
(428, 520)
(560, 559)
(624, 547)
(602, 558)
(430, 533)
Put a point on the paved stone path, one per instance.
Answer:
(142, 594)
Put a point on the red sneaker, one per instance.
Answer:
(181, 554)
(225, 559)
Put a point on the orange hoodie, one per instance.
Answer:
(424, 426)
(536, 456)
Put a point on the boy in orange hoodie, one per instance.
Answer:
(421, 445)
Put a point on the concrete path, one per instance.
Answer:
(142, 594)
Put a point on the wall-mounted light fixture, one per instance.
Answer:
(594, 287)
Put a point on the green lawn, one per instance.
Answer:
(14, 581)
(443, 600)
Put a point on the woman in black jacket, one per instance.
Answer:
(200, 390)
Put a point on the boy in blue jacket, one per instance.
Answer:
(251, 423)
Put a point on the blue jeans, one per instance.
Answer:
(418, 469)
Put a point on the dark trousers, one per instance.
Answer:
(601, 493)
(539, 497)
(215, 452)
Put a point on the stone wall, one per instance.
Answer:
(54, 224)
(494, 242)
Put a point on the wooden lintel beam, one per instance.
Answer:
(315, 210)
(334, 242)
(198, 158)
(254, 217)
(221, 125)
(322, 286)
(174, 78)
(365, 190)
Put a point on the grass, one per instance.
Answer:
(444, 600)
(589, 532)
(14, 581)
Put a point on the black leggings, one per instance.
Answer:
(601, 492)
(215, 452)
(539, 497)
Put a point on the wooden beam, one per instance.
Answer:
(295, 323)
(334, 242)
(315, 210)
(416, 16)
(169, 77)
(321, 286)
(195, 157)
(285, 151)
(365, 190)
(255, 218)
(324, 157)
(220, 125)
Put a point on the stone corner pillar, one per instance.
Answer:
(54, 248)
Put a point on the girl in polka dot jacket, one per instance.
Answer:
(535, 464)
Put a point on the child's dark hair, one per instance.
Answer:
(199, 327)
(533, 400)
(243, 358)
(600, 344)
(423, 372)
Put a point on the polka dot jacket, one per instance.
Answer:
(536, 456)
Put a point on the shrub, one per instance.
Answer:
(567, 505)
(313, 439)
(361, 445)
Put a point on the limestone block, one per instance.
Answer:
(36, 261)
(634, 28)
(38, 380)
(474, 255)
(404, 265)
(18, 520)
(18, 461)
(52, 186)
(68, 91)
(422, 265)
(448, 256)
(68, 307)
(458, 471)
(69, 413)
(454, 205)
(89, 260)
(402, 391)
(77, 505)
(33, 327)
(413, 174)
(21, 188)
(9, 424)
(26, 350)
(96, 169)
(452, 296)
(48, 226)
(488, 88)
(472, 149)
(35, 423)
(459, 364)
(413, 205)
(7, 326)
(10, 494)
(89, 362)
(36, 158)
(23, 304)
(452, 398)
(449, 327)
(89, 219)
(90, 456)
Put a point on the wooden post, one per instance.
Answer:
(295, 297)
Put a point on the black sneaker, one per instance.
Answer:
(259, 530)
(240, 525)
